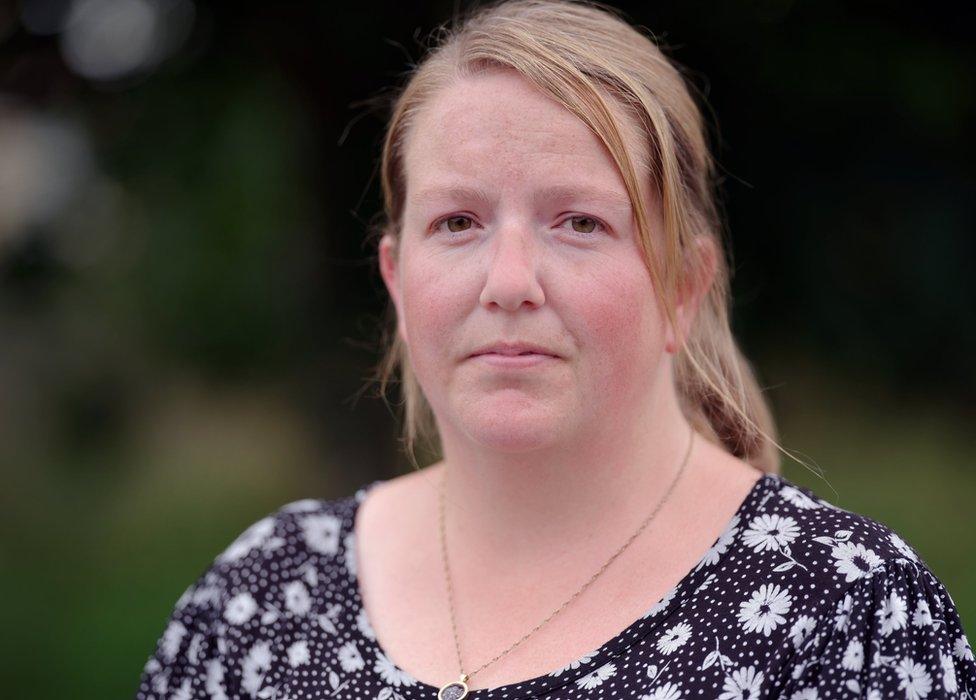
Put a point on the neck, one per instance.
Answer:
(529, 510)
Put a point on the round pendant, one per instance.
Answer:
(453, 691)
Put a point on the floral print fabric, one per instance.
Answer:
(796, 599)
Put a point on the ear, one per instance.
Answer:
(390, 271)
(702, 264)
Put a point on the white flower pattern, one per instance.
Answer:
(674, 638)
(298, 653)
(716, 551)
(770, 532)
(803, 626)
(389, 672)
(240, 609)
(853, 656)
(349, 658)
(742, 684)
(913, 679)
(893, 613)
(596, 677)
(843, 615)
(795, 599)
(297, 599)
(576, 663)
(765, 609)
(668, 691)
(662, 604)
(799, 499)
(253, 537)
(321, 533)
(170, 642)
(854, 560)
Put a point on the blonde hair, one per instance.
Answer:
(581, 53)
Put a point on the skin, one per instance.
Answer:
(549, 469)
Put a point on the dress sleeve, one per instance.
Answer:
(895, 633)
(190, 659)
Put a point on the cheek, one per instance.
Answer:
(620, 327)
(433, 304)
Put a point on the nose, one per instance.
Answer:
(512, 275)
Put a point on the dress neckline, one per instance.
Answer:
(656, 615)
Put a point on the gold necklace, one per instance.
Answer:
(456, 690)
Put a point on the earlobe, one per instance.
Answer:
(387, 261)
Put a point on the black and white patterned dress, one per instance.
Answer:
(797, 599)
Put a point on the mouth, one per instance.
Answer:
(508, 354)
(520, 360)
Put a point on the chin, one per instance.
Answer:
(513, 428)
(513, 442)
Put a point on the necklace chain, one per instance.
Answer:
(450, 589)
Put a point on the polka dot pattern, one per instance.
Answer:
(796, 599)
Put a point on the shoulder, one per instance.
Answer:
(312, 524)
(850, 543)
(886, 622)
(801, 554)
(284, 552)
(290, 567)
(298, 530)
(860, 608)
(896, 629)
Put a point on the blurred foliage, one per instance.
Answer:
(185, 336)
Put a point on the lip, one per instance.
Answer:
(514, 361)
(513, 348)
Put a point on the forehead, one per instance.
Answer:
(498, 127)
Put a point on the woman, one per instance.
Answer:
(553, 255)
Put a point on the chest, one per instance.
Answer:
(415, 631)
(406, 599)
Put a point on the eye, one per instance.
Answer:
(455, 223)
(588, 226)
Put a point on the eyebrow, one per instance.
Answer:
(559, 193)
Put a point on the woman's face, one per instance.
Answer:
(517, 227)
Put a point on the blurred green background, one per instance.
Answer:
(189, 309)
